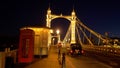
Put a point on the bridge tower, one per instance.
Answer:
(73, 24)
(71, 18)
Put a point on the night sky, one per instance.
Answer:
(99, 15)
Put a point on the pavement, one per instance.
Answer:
(52, 62)
(46, 62)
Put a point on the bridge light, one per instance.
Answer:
(53, 40)
(51, 31)
(58, 34)
(58, 31)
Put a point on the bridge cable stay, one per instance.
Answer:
(84, 34)
(67, 34)
(83, 39)
(79, 37)
(93, 32)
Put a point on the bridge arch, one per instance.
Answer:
(71, 18)
(62, 24)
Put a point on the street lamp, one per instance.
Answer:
(58, 31)
(58, 34)
(51, 31)
(53, 40)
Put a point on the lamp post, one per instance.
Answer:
(51, 31)
(53, 40)
(50, 37)
(58, 35)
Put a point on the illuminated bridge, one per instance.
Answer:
(100, 51)
(93, 43)
(80, 33)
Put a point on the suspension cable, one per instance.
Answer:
(67, 34)
(79, 36)
(93, 32)
(84, 34)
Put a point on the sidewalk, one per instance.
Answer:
(47, 62)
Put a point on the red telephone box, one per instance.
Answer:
(26, 46)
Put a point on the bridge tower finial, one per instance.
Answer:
(73, 11)
(73, 8)
(49, 10)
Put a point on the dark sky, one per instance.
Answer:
(99, 15)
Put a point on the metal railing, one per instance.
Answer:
(104, 50)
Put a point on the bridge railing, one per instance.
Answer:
(2, 60)
(13, 54)
(103, 50)
(7, 53)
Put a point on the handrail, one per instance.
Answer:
(102, 49)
